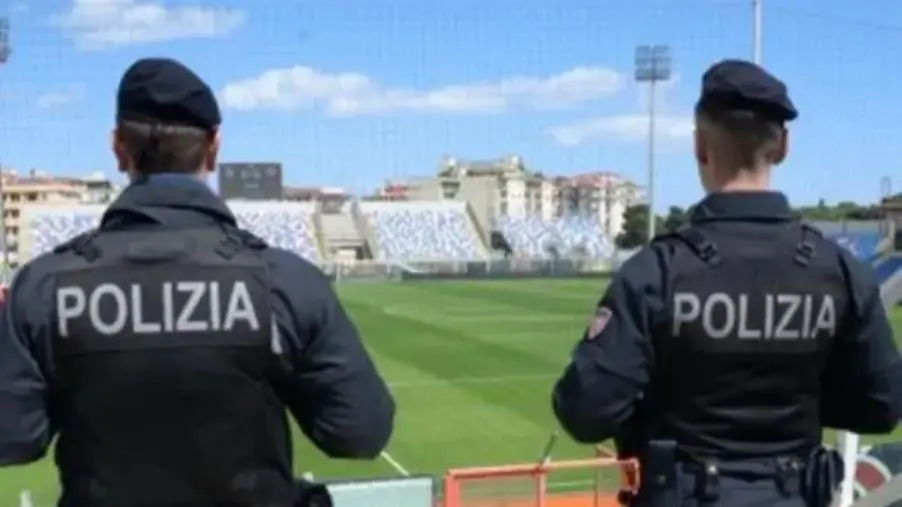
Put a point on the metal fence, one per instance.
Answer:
(493, 268)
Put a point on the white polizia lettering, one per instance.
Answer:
(184, 307)
(778, 316)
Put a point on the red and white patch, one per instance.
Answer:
(598, 322)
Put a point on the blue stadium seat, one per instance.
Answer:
(49, 228)
(863, 244)
(533, 237)
(422, 231)
(282, 225)
(288, 228)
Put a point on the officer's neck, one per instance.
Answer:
(752, 180)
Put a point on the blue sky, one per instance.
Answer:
(352, 92)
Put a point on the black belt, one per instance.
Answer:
(815, 478)
(786, 472)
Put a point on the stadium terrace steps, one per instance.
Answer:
(339, 229)
(319, 237)
(479, 231)
(365, 230)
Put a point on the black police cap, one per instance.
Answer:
(164, 91)
(738, 85)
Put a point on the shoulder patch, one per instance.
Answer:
(598, 322)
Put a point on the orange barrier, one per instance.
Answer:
(578, 483)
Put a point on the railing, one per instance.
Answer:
(363, 227)
(478, 229)
(578, 483)
(477, 268)
(319, 235)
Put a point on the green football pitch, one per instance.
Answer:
(471, 366)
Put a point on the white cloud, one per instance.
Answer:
(624, 128)
(98, 24)
(664, 92)
(633, 127)
(61, 98)
(354, 94)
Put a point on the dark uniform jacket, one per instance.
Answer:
(141, 416)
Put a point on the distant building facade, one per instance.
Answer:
(36, 187)
(506, 187)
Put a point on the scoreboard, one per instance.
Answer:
(251, 181)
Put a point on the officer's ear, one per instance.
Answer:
(700, 145)
(782, 147)
(123, 159)
(212, 151)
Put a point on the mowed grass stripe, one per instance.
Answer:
(448, 353)
(467, 350)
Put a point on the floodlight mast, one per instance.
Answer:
(653, 65)
(5, 52)
(757, 22)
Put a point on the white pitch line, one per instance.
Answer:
(394, 464)
(471, 380)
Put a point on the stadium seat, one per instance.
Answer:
(533, 237)
(863, 244)
(282, 225)
(422, 231)
(50, 228)
(288, 228)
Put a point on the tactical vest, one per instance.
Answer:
(163, 360)
(749, 328)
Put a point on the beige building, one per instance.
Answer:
(35, 187)
(505, 187)
(603, 195)
(493, 188)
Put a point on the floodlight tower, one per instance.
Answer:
(653, 65)
(757, 21)
(5, 51)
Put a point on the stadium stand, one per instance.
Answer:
(862, 238)
(535, 238)
(423, 231)
(284, 225)
(864, 244)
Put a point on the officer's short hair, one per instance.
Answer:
(742, 138)
(160, 148)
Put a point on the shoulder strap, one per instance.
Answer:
(235, 239)
(231, 241)
(82, 245)
(697, 242)
(805, 249)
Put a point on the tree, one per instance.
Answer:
(635, 227)
(676, 218)
(843, 210)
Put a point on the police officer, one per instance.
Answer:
(720, 351)
(164, 347)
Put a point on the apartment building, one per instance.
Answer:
(492, 187)
(36, 187)
(507, 187)
(603, 195)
